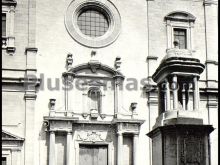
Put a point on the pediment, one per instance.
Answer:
(94, 68)
(10, 136)
(180, 15)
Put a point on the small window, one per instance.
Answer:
(4, 161)
(95, 99)
(3, 25)
(180, 35)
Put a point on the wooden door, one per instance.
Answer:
(93, 155)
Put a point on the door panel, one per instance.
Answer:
(93, 155)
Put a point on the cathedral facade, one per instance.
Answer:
(109, 82)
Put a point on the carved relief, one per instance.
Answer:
(94, 66)
(91, 137)
(191, 150)
(94, 83)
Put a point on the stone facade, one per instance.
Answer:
(46, 115)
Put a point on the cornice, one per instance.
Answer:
(210, 2)
(9, 2)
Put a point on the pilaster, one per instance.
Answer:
(52, 158)
(30, 98)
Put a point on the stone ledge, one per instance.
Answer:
(32, 49)
(9, 2)
(180, 127)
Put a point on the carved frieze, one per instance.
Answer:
(60, 126)
(91, 136)
(130, 127)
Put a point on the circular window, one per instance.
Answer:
(93, 23)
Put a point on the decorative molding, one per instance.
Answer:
(179, 52)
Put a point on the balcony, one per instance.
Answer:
(177, 80)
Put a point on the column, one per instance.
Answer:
(52, 157)
(116, 98)
(175, 94)
(119, 148)
(135, 149)
(116, 95)
(188, 90)
(167, 95)
(184, 96)
(68, 148)
(169, 35)
(195, 94)
(29, 149)
(12, 14)
(11, 38)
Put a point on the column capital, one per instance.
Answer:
(69, 132)
(136, 134)
(52, 131)
(119, 133)
(31, 96)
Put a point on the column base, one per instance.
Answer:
(180, 144)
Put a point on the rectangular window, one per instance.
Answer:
(3, 25)
(180, 35)
(3, 160)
